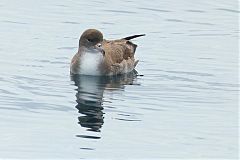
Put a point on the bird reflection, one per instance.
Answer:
(89, 96)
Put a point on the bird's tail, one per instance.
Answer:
(134, 36)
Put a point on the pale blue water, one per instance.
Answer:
(185, 106)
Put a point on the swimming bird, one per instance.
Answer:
(98, 56)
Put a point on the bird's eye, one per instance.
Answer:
(89, 40)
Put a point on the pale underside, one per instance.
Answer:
(90, 63)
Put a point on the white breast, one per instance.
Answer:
(90, 63)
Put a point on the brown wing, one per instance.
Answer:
(119, 55)
(74, 66)
(118, 50)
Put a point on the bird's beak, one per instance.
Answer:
(99, 48)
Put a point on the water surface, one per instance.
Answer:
(185, 105)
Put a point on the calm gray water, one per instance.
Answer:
(185, 106)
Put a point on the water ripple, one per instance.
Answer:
(190, 73)
(119, 11)
(70, 22)
(88, 136)
(153, 9)
(14, 22)
(131, 120)
(189, 22)
(228, 10)
(195, 11)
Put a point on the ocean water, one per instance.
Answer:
(182, 103)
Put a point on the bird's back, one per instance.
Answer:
(118, 50)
